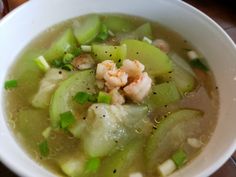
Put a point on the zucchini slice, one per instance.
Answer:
(171, 133)
(88, 30)
(62, 99)
(156, 62)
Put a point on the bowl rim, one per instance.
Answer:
(206, 172)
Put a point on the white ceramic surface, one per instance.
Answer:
(26, 22)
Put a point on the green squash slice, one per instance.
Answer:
(62, 99)
(156, 62)
(65, 43)
(88, 30)
(171, 133)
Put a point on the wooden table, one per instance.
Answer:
(223, 12)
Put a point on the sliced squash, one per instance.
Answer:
(163, 94)
(156, 62)
(65, 43)
(88, 29)
(106, 52)
(62, 99)
(172, 131)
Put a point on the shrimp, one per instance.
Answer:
(139, 88)
(133, 68)
(162, 45)
(84, 61)
(117, 98)
(115, 78)
(104, 67)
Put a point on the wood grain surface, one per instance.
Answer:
(223, 12)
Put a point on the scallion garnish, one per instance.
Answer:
(76, 51)
(92, 165)
(93, 98)
(42, 63)
(86, 48)
(179, 157)
(103, 34)
(147, 40)
(46, 132)
(57, 63)
(82, 97)
(43, 148)
(10, 84)
(104, 97)
(196, 63)
(67, 67)
(68, 57)
(66, 119)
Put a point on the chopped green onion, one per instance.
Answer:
(192, 55)
(196, 63)
(195, 143)
(46, 132)
(104, 97)
(179, 157)
(68, 57)
(76, 51)
(86, 48)
(43, 148)
(111, 33)
(84, 97)
(57, 63)
(42, 63)
(10, 84)
(93, 98)
(66, 119)
(167, 167)
(103, 34)
(92, 165)
(67, 67)
(147, 40)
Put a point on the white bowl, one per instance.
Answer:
(26, 22)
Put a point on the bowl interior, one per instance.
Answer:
(194, 26)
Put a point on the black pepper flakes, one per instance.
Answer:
(114, 171)
(165, 116)
(166, 105)
(84, 118)
(103, 115)
(110, 55)
(96, 107)
(95, 55)
(170, 72)
(115, 47)
(105, 51)
(60, 72)
(119, 60)
(88, 88)
(216, 87)
(154, 127)
(154, 93)
(137, 53)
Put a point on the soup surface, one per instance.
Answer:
(111, 95)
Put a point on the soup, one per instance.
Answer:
(111, 95)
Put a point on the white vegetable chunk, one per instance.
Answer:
(167, 167)
(194, 142)
(137, 174)
(192, 55)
